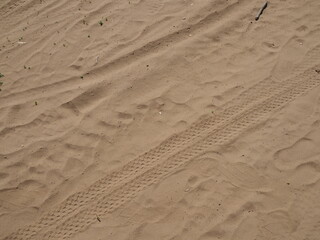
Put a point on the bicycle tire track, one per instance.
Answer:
(199, 129)
(129, 190)
(78, 200)
(290, 89)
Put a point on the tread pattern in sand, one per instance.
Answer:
(108, 194)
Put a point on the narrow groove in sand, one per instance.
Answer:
(142, 52)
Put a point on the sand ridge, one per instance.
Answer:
(159, 119)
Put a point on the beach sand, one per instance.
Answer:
(159, 119)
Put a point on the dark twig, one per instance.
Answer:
(265, 5)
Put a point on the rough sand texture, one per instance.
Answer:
(158, 119)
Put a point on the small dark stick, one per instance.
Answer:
(265, 5)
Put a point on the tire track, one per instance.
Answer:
(199, 129)
(312, 60)
(165, 150)
(217, 130)
(256, 93)
(124, 193)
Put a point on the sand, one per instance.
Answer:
(159, 119)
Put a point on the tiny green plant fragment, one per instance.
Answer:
(101, 23)
(1, 83)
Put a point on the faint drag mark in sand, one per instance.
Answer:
(144, 51)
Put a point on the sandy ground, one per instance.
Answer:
(158, 119)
